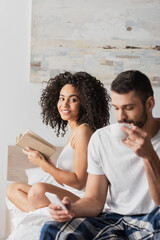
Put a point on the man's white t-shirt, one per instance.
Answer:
(128, 188)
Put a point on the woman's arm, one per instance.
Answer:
(76, 179)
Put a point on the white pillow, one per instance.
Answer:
(36, 175)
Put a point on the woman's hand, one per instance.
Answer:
(61, 215)
(34, 157)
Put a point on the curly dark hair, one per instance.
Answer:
(94, 101)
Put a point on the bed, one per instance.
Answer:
(21, 225)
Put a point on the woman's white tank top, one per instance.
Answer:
(66, 159)
(66, 162)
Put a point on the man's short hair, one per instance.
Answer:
(133, 80)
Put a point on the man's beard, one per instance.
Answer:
(139, 123)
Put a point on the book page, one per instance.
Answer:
(36, 136)
(33, 141)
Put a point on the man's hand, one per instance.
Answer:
(138, 141)
(61, 215)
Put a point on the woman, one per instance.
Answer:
(81, 101)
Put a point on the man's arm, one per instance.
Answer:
(152, 168)
(141, 144)
(90, 206)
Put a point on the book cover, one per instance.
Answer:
(35, 142)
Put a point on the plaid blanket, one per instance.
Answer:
(105, 226)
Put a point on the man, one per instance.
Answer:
(124, 174)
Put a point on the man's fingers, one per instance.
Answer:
(66, 202)
(134, 130)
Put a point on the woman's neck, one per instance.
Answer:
(73, 125)
(73, 129)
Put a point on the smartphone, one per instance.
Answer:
(53, 198)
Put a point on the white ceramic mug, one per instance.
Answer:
(117, 132)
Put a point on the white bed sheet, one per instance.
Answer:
(27, 226)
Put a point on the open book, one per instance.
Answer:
(32, 140)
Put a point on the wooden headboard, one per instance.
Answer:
(18, 162)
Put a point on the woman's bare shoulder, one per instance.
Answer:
(84, 131)
(84, 127)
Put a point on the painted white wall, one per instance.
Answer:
(19, 98)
